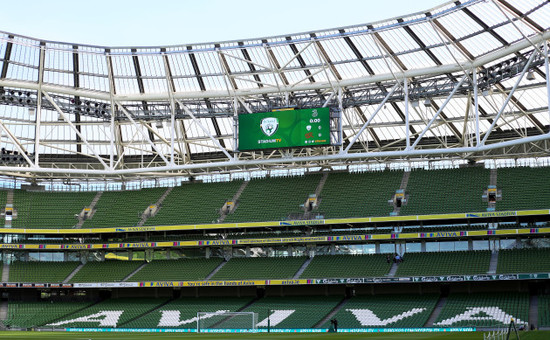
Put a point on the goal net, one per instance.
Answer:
(226, 320)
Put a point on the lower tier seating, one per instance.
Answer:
(401, 311)
(293, 311)
(111, 313)
(31, 314)
(484, 310)
(182, 313)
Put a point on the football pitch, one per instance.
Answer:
(534, 335)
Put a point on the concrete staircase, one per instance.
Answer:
(332, 313)
(76, 270)
(437, 310)
(158, 203)
(4, 310)
(403, 186)
(6, 272)
(302, 268)
(91, 206)
(318, 190)
(534, 311)
(493, 177)
(9, 201)
(493, 264)
(135, 271)
(393, 270)
(216, 270)
(234, 200)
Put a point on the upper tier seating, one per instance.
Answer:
(194, 203)
(359, 195)
(49, 209)
(273, 199)
(523, 188)
(122, 208)
(401, 311)
(444, 263)
(446, 191)
(532, 260)
(259, 268)
(175, 270)
(110, 270)
(339, 266)
(280, 198)
(484, 310)
(47, 272)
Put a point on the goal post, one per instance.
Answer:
(226, 320)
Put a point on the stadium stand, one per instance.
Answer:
(386, 311)
(446, 191)
(172, 270)
(273, 199)
(31, 314)
(523, 188)
(187, 308)
(111, 271)
(305, 311)
(122, 208)
(359, 195)
(259, 268)
(484, 310)
(180, 206)
(49, 209)
(445, 263)
(51, 272)
(531, 260)
(338, 266)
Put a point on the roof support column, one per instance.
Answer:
(112, 91)
(38, 117)
(407, 132)
(476, 106)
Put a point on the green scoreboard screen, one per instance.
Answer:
(284, 129)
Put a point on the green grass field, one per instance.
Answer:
(536, 335)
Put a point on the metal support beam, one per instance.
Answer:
(380, 106)
(205, 130)
(68, 120)
(507, 100)
(457, 86)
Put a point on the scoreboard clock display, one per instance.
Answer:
(284, 129)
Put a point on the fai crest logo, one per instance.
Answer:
(269, 125)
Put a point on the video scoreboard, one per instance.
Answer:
(284, 129)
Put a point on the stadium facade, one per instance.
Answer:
(388, 175)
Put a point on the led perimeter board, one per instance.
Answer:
(284, 129)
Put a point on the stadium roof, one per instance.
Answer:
(467, 79)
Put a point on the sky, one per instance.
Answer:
(179, 22)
